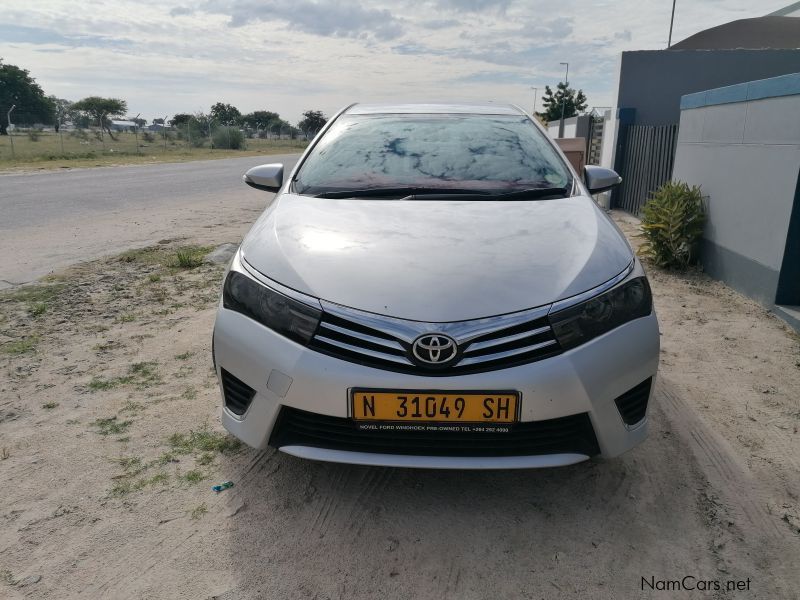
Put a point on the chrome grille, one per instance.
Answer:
(484, 344)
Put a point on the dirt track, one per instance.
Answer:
(107, 491)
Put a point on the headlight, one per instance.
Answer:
(578, 324)
(280, 313)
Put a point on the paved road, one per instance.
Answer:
(50, 220)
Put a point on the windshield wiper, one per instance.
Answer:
(401, 192)
(533, 194)
(409, 193)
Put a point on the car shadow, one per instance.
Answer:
(321, 530)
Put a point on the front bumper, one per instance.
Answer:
(586, 379)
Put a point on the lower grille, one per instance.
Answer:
(238, 395)
(573, 434)
(632, 405)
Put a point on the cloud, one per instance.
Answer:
(39, 36)
(439, 23)
(507, 77)
(342, 19)
(474, 5)
(294, 55)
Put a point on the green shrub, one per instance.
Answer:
(188, 258)
(148, 137)
(229, 138)
(672, 225)
(33, 135)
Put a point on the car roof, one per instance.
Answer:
(479, 108)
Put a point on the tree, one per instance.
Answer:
(64, 113)
(312, 122)
(181, 119)
(226, 114)
(259, 119)
(139, 121)
(102, 110)
(18, 88)
(574, 102)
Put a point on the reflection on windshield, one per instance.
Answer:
(477, 152)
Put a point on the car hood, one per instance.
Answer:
(436, 261)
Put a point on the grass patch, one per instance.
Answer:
(184, 257)
(161, 477)
(151, 255)
(154, 278)
(145, 372)
(184, 371)
(198, 511)
(101, 383)
(111, 426)
(131, 465)
(50, 405)
(36, 293)
(193, 476)
(132, 477)
(188, 257)
(23, 346)
(203, 441)
(132, 407)
(184, 356)
(142, 375)
(38, 309)
(108, 346)
(206, 458)
(126, 318)
(126, 485)
(167, 458)
(189, 393)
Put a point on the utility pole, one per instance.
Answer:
(671, 21)
(136, 132)
(563, 101)
(164, 124)
(534, 99)
(11, 137)
(102, 138)
(60, 117)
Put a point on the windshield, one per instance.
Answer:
(486, 153)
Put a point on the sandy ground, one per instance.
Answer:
(110, 442)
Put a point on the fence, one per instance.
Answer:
(27, 142)
(648, 154)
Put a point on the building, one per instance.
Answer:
(120, 125)
(741, 145)
(642, 130)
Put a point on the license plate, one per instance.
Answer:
(438, 407)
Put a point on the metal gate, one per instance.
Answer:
(648, 156)
(595, 144)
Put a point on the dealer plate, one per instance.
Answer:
(434, 406)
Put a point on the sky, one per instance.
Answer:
(170, 56)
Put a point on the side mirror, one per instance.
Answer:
(268, 178)
(600, 179)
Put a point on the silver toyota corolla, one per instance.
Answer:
(434, 286)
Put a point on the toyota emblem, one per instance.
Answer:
(434, 349)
